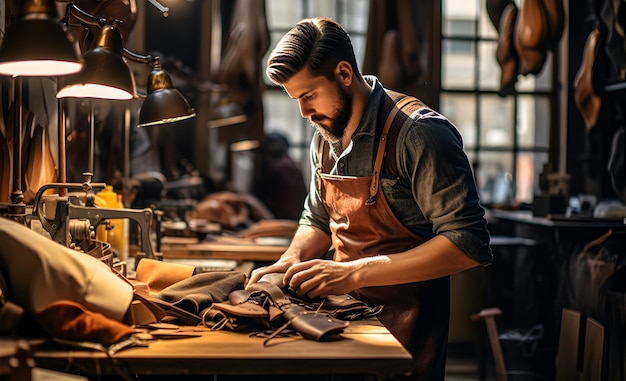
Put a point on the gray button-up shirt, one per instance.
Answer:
(434, 191)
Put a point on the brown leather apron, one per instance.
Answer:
(363, 225)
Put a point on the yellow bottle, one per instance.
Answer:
(117, 233)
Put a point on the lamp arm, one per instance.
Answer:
(147, 59)
(73, 12)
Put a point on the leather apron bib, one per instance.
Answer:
(363, 225)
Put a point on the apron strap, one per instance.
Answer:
(380, 154)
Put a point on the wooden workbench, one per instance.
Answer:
(221, 248)
(366, 347)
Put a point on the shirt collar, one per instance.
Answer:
(367, 125)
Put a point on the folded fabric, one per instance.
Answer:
(68, 320)
(39, 271)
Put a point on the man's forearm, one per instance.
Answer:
(308, 243)
(433, 259)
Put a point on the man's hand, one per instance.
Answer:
(279, 266)
(307, 243)
(319, 277)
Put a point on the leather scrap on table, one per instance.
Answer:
(267, 308)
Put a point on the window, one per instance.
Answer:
(506, 138)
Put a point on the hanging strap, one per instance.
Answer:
(382, 144)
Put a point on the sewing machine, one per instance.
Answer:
(71, 220)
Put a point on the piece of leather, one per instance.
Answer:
(506, 54)
(170, 311)
(530, 36)
(68, 320)
(266, 301)
(239, 297)
(555, 20)
(343, 307)
(159, 274)
(141, 313)
(189, 299)
(245, 309)
(530, 30)
(313, 325)
(495, 10)
(585, 97)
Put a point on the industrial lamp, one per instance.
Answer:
(36, 43)
(164, 103)
(106, 74)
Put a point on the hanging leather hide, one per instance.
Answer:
(530, 36)
(555, 20)
(41, 168)
(393, 51)
(587, 100)
(495, 11)
(506, 54)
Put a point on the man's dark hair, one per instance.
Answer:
(318, 44)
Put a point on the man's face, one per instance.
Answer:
(326, 104)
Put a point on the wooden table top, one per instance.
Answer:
(222, 248)
(365, 347)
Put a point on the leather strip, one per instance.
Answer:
(380, 154)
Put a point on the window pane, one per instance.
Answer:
(496, 121)
(486, 29)
(529, 166)
(489, 74)
(355, 15)
(533, 121)
(494, 176)
(283, 14)
(459, 17)
(458, 64)
(358, 43)
(322, 8)
(461, 110)
(282, 114)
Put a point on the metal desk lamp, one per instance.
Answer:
(35, 44)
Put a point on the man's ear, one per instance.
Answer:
(344, 73)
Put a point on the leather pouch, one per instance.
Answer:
(313, 325)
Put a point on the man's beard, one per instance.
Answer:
(338, 122)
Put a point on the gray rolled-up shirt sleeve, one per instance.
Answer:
(314, 213)
(442, 183)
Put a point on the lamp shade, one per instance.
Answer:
(105, 73)
(36, 43)
(164, 103)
